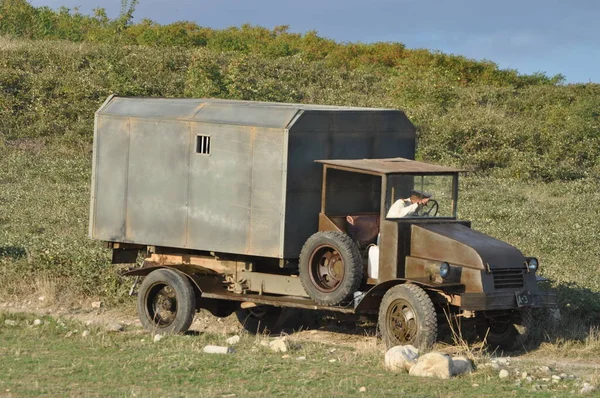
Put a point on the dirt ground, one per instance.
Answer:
(329, 331)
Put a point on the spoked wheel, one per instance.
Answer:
(407, 316)
(331, 268)
(326, 268)
(166, 302)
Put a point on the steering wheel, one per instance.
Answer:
(431, 206)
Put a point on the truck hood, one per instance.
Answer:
(459, 245)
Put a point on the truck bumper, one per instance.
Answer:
(504, 300)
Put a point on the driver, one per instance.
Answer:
(410, 206)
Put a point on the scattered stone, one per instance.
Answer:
(524, 375)
(157, 338)
(142, 340)
(233, 340)
(401, 357)
(69, 334)
(475, 385)
(529, 379)
(461, 365)
(88, 323)
(286, 356)
(37, 322)
(556, 377)
(10, 322)
(114, 327)
(494, 366)
(332, 360)
(546, 379)
(544, 369)
(587, 388)
(563, 375)
(503, 374)
(503, 361)
(97, 305)
(301, 359)
(279, 345)
(536, 387)
(85, 333)
(215, 349)
(42, 298)
(432, 364)
(362, 389)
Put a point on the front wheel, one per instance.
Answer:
(407, 316)
(166, 302)
(506, 331)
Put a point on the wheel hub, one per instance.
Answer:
(402, 322)
(326, 268)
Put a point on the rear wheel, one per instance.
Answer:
(331, 267)
(506, 331)
(407, 316)
(268, 319)
(166, 302)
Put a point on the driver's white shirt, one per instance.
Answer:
(402, 208)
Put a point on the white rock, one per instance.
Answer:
(301, 359)
(278, 345)
(97, 305)
(529, 379)
(563, 375)
(216, 349)
(401, 357)
(556, 377)
(332, 360)
(524, 375)
(37, 322)
(362, 389)
(42, 298)
(85, 333)
(286, 356)
(88, 323)
(432, 364)
(544, 369)
(233, 340)
(503, 374)
(10, 322)
(546, 379)
(461, 365)
(157, 338)
(114, 327)
(587, 388)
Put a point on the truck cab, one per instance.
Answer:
(427, 257)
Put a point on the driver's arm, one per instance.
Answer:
(401, 209)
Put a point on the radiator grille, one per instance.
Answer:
(505, 278)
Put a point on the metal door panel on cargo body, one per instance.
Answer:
(267, 192)
(111, 148)
(158, 175)
(220, 189)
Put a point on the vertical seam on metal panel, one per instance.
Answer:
(250, 189)
(189, 175)
(94, 182)
(125, 208)
(284, 198)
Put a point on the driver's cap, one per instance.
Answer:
(421, 194)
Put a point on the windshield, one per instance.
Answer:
(410, 196)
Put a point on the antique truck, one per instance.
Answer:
(265, 208)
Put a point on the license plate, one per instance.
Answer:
(524, 298)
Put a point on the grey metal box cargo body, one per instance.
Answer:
(226, 176)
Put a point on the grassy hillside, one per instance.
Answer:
(532, 142)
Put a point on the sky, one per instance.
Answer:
(550, 36)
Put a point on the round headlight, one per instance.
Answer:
(532, 264)
(444, 270)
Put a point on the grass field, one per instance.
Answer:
(55, 359)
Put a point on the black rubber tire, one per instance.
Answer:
(341, 245)
(153, 288)
(413, 302)
(512, 336)
(266, 319)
